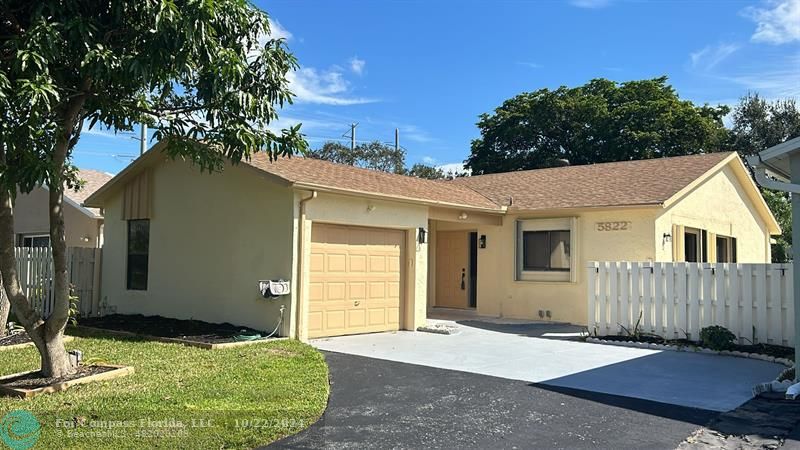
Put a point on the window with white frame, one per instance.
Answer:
(545, 250)
(34, 240)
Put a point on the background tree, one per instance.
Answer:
(203, 73)
(373, 155)
(757, 125)
(600, 121)
(420, 170)
(376, 156)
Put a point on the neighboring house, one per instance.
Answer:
(368, 251)
(84, 226)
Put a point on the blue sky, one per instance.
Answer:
(430, 68)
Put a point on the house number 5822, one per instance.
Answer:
(613, 226)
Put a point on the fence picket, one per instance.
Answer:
(705, 274)
(693, 296)
(719, 294)
(670, 319)
(658, 298)
(592, 271)
(733, 303)
(647, 298)
(754, 301)
(761, 303)
(613, 318)
(774, 327)
(636, 282)
(602, 299)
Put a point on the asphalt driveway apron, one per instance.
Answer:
(384, 404)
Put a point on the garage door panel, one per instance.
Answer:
(335, 291)
(335, 320)
(316, 292)
(358, 290)
(393, 316)
(357, 287)
(317, 262)
(358, 263)
(356, 318)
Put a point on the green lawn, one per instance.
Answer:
(179, 397)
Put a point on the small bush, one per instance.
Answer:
(717, 338)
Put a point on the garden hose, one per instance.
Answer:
(256, 337)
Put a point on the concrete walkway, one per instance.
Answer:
(710, 382)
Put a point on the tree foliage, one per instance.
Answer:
(757, 125)
(373, 155)
(420, 170)
(376, 156)
(204, 74)
(600, 121)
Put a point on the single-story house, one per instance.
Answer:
(83, 225)
(368, 251)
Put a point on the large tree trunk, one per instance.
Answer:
(5, 308)
(47, 336)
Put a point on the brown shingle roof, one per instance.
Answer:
(92, 179)
(314, 172)
(628, 183)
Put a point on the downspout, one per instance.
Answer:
(301, 239)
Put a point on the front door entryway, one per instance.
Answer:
(456, 269)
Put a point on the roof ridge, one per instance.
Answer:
(379, 172)
(606, 163)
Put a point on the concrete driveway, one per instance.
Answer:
(518, 352)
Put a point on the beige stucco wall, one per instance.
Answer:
(31, 217)
(720, 206)
(349, 210)
(212, 237)
(500, 295)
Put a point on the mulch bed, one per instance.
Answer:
(777, 351)
(190, 330)
(15, 339)
(35, 380)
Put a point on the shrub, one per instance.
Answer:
(717, 337)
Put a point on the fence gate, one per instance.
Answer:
(35, 269)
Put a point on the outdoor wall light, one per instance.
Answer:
(666, 239)
(482, 241)
(462, 216)
(370, 208)
(423, 235)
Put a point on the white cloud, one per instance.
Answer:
(429, 160)
(415, 134)
(777, 24)
(357, 65)
(277, 31)
(775, 78)
(532, 65)
(711, 55)
(590, 4)
(326, 87)
(454, 168)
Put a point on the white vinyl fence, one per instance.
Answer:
(35, 268)
(677, 300)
